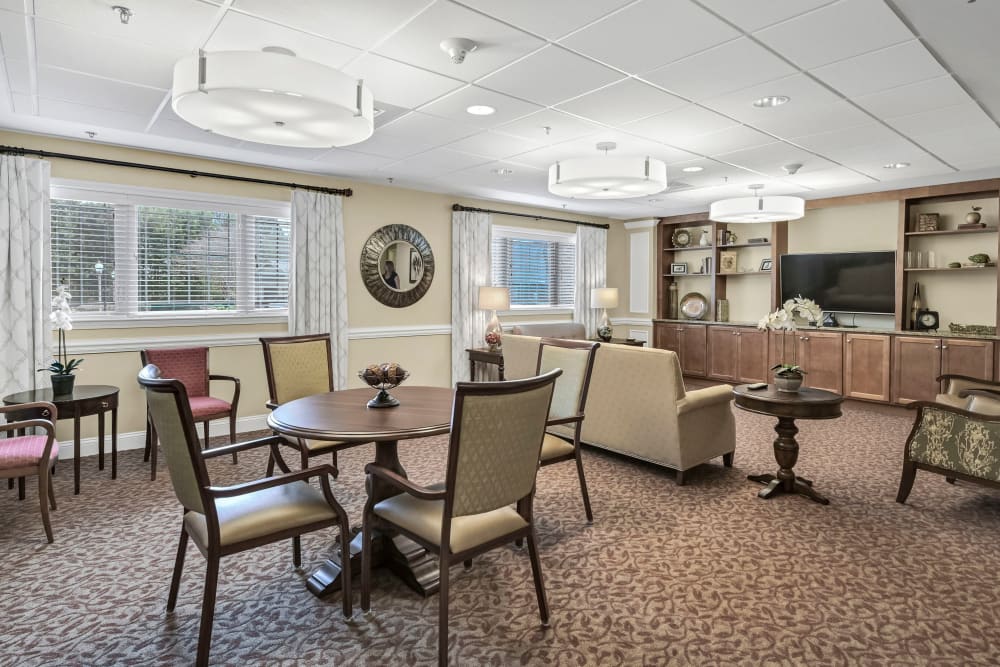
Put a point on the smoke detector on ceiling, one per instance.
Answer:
(792, 168)
(457, 48)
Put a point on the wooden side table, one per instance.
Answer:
(86, 400)
(621, 341)
(484, 355)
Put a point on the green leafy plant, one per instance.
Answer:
(62, 317)
(788, 370)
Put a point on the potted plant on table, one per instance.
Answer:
(61, 367)
(788, 376)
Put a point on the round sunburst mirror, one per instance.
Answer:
(397, 265)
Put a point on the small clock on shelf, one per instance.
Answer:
(681, 238)
(926, 320)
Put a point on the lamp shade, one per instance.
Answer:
(607, 177)
(604, 297)
(272, 97)
(494, 298)
(757, 209)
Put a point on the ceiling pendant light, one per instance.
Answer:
(607, 177)
(272, 97)
(757, 208)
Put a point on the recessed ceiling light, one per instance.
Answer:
(481, 110)
(693, 170)
(503, 171)
(771, 101)
(896, 165)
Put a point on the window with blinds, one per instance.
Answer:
(127, 256)
(538, 268)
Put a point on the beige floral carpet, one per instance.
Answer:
(706, 574)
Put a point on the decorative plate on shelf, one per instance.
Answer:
(681, 238)
(694, 306)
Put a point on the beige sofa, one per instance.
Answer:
(571, 330)
(638, 406)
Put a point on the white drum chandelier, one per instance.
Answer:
(757, 208)
(272, 97)
(607, 177)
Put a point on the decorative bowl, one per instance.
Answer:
(384, 377)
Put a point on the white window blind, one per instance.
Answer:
(128, 255)
(538, 268)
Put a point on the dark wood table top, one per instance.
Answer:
(806, 403)
(344, 415)
(81, 392)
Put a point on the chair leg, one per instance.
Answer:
(536, 573)
(52, 493)
(906, 481)
(20, 488)
(366, 559)
(43, 502)
(679, 479)
(207, 611)
(304, 456)
(345, 557)
(270, 465)
(149, 440)
(232, 433)
(336, 469)
(10, 482)
(583, 485)
(297, 551)
(727, 459)
(204, 445)
(153, 451)
(443, 609)
(175, 581)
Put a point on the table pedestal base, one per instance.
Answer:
(775, 486)
(786, 453)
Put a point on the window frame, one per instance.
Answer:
(531, 234)
(128, 316)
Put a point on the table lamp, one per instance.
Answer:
(604, 297)
(494, 298)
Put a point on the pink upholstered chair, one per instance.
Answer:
(190, 367)
(25, 455)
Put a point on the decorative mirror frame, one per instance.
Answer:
(371, 253)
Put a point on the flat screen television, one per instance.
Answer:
(842, 282)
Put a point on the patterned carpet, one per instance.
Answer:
(701, 574)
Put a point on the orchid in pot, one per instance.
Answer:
(62, 367)
(788, 376)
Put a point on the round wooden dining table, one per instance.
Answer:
(344, 416)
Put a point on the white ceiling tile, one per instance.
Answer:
(549, 127)
(18, 75)
(494, 145)
(733, 66)
(936, 120)
(284, 151)
(802, 91)
(455, 104)
(871, 160)
(724, 141)
(240, 32)
(626, 145)
(835, 177)
(24, 104)
(16, 6)
(841, 30)
(848, 141)
(388, 113)
(962, 144)
(398, 83)
(894, 66)
(552, 18)
(434, 163)
(751, 16)
(413, 133)
(680, 125)
(350, 162)
(360, 24)
(771, 158)
(649, 34)
(521, 177)
(82, 89)
(918, 97)
(622, 102)
(13, 35)
(550, 76)
(713, 174)
(95, 117)
(168, 125)
(418, 43)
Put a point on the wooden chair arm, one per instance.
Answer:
(967, 378)
(271, 405)
(240, 446)
(402, 483)
(980, 391)
(565, 420)
(42, 406)
(236, 388)
(228, 378)
(270, 482)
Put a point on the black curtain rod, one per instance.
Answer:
(459, 207)
(14, 150)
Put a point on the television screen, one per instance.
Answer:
(842, 282)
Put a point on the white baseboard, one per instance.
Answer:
(137, 439)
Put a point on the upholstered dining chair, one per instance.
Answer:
(26, 455)
(969, 393)
(190, 367)
(486, 502)
(576, 359)
(300, 366)
(223, 520)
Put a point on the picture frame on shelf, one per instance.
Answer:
(678, 268)
(727, 261)
(766, 264)
(927, 222)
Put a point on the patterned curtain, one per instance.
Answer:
(591, 272)
(25, 274)
(318, 299)
(470, 268)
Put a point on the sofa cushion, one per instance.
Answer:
(553, 446)
(571, 330)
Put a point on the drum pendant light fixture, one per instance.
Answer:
(272, 97)
(757, 208)
(607, 177)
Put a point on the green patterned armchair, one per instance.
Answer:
(951, 442)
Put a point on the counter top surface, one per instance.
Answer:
(857, 330)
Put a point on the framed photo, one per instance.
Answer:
(416, 266)
(678, 268)
(727, 261)
(765, 264)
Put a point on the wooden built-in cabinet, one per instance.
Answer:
(917, 361)
(737, 354)
(867, 367)
(689, 341)
(821, 353)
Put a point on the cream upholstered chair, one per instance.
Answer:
(300, 366)
(496, 438)
(970, 394)
(576, 359)
(230, 519)
(25, 455)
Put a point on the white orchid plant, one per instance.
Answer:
(783, 319)
(62, 318)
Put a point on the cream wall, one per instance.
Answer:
(428, 357)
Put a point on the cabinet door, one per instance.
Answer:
(666, 337)
(821, 355)
(694, 349)
(866, 366)
(967, 357)
(916, 362)
(722, 352)
(751, 355)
